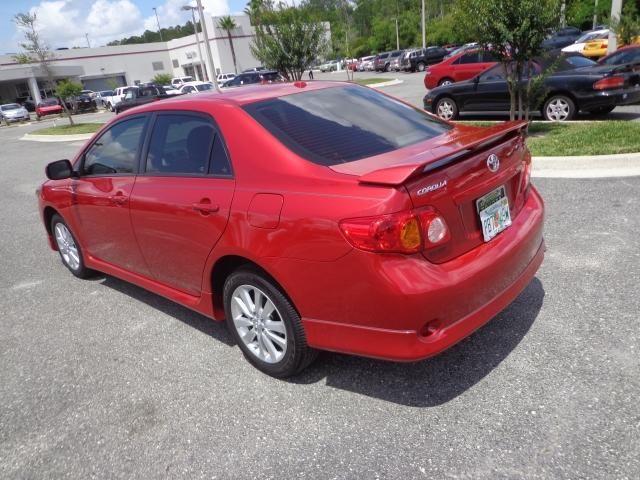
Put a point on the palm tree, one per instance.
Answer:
(227, 24)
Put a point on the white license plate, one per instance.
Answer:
(493, 209)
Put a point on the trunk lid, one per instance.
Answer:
(454, 173)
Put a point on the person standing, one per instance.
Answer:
(310, 74)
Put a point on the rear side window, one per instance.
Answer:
(180, 143)
(342, 124)
(116, 150)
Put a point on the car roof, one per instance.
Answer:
(243, 96)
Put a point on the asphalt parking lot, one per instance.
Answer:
(101, 379)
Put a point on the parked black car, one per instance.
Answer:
(417, 60)
(628, 54)
(563, 37)
(140, 96)
(382, 61)
(252, 77)
(573, 84)
(81, 103)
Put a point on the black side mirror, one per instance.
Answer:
(59, 170)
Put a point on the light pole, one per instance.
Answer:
(158, 22)
(195, 27)
(424, 31)
(616, 9)
(595, 15)
(210, 65)
(397, 35)
(86, 35)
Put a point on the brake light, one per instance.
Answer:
(609, 83)
(403, 232)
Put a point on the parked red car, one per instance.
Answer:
(457, 68)
(315, 226)
(49, 106)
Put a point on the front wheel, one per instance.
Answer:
(68, 248)
(265, 324)
(447, 109)
(559, 108)
(421, 67)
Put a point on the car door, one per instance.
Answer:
(181, 200)
(102, 191)
(490, 92)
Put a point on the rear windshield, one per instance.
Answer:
(343, 124)
(49, 102)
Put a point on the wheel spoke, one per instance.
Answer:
(275, 338)
(249, 336)
(270, 346)
(240, 302)
(268, 309)
(247, 300)
(257, 301)
(275, 326)
(242, 321)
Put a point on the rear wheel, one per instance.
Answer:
(265, 324)
(447, 109)
(444, 82)
(421, 66)
(386, 67)
(68, 248)
(559, 108)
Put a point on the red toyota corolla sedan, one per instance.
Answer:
(320, 216)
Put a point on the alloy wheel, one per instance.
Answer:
(444, 83)
(67, 246)
(558, 110)
(446, 109)
(258, 323)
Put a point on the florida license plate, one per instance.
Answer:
(493, 209)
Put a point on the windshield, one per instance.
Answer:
(579, 61)
(106, 93)
(48, 102)
(342, 124)
(203, 87)
(10, 106)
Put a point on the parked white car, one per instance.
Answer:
(102, 96)
(116, 98)
(177, 82)
(12, 112)
(223, 77)
(170, 90)
(579, 44)
(196, 87)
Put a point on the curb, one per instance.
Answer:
(395, 81)
(590, 166)
(56, 138)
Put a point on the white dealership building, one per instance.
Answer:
(104, 68)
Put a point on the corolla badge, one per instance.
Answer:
(432, 187)
(493, 162)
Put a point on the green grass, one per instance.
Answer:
(581, 138)
(370, 81)
(69, 129)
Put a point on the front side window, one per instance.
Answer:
(180, 143)
(493, 74)
(116, 150)
(342, 124)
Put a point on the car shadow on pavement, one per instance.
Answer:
(204, 324)
(437, 380)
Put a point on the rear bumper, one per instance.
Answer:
(454, 298)
(610, 98)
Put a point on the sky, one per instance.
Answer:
(63, 23)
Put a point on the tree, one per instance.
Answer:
(36, 51)
(287, 39)
(67, 88)
(513, 30)
(628, 27)
(161, 79)
(228, 24)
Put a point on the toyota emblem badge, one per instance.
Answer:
(493, 162)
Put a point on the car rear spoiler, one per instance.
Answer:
(399, 174)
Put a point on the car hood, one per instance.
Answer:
(462, 86)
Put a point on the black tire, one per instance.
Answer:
(81, 271)
(453, 108)
(568, 106)
(298, 355)
(386, 67)
(602, 110)
(421, 67)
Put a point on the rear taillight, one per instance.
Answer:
(609, 83)
(403, 232)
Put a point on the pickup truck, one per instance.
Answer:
(140, 96)
(116, 97)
